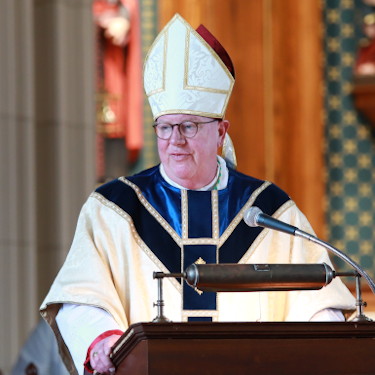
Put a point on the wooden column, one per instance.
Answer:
(276, 107)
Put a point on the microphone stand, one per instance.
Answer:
(360, 272)
(254, 217)
(160, 318)
(340, 254)
(360, 317)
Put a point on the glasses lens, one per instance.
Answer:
(163, 131)
(188, 129)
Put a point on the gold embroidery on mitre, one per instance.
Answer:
(186, 85)
(189, 32)
(179, 111)
(164, 33)
(199, 37)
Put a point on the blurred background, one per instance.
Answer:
(73, 115)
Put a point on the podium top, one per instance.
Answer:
(316, 337)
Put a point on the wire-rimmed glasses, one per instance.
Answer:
(188, 129)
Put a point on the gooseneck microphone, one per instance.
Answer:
(254, 217)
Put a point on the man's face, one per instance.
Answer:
(191, 162)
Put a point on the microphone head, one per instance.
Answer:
(251, 215)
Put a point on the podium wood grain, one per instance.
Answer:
(241, 348)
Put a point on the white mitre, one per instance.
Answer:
(183, 74)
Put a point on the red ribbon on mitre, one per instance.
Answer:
(217, 47)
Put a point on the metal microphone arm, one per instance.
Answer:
(361, 271)
(254, 217)
(248, 282)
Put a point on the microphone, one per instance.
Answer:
(254, 217)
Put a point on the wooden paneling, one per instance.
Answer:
(297, 104)
(276, 106)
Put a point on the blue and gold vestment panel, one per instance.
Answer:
(182, 227)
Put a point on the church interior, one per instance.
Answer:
(302, 115)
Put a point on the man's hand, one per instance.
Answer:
(99, 356)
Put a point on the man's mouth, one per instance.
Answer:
(179, 157)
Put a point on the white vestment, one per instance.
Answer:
(110, 267)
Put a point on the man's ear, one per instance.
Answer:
(222, 129)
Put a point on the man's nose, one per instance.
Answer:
(176, 137)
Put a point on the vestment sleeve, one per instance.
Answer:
(79, 326)
(86, 277)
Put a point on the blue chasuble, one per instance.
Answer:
(182, 227)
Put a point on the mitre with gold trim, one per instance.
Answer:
(187, 71)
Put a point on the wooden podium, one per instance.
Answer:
(244, 348)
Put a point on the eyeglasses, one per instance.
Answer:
(187, 128)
